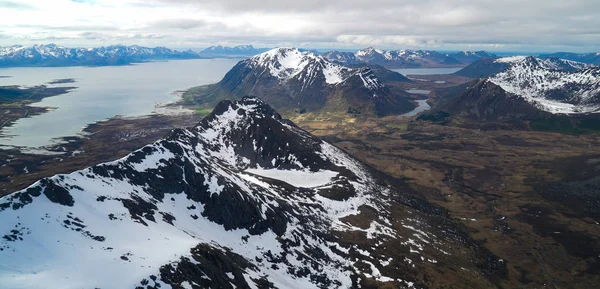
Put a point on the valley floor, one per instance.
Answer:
(495, 183)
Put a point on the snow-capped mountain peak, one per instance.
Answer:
(547, 63)
(244, 198)
(292, 63)
(551, 84)
(407, 57)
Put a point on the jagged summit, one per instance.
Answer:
(490, 66)
(551, 63)
(520, 88)
(244, 199)
(553, 85)
(290, 79)
(288, 63)
(407, 57)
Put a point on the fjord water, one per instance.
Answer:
(427, 71)
(102, 93)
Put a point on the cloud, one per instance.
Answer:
(386, 40)
(440, 24)
(182, 24)
(16, 5)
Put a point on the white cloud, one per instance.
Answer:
(541, 25)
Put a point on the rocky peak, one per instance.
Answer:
(243, 198)
(553, 85)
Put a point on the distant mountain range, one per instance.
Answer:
(522, 88)
(407, 58)
(490, 66)
(236, 51)
(244, 199)
(291, 79)
(590, 58)
(54, 55)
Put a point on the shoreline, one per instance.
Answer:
(99, 142)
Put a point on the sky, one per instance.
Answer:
(498, 25)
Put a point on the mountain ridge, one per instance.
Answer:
(545, 93)
(291, 79)
(52, 55)
(223, 202)
(489, 66)
(407, 58)
(589, 58)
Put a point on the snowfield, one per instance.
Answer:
(299, 179)
(537, 80)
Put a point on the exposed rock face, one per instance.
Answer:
(486, 101)
(483, 68)
(527, 87)
(552, 85)
(290, 79)
(243, 199)
(383, 74)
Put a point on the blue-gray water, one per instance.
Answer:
(102, 93)
(418, 91)
(422, 106)
(427, 71)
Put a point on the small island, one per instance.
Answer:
(63, 80)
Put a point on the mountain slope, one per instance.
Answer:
(489, 66)
(341, 57)
(244, 199)
(485, 101)
(54, 55)
(551, 93)
(407, 58)
(290, 79)
(552, 85)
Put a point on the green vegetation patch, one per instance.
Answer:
(565, 124)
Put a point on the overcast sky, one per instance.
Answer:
(498, 25)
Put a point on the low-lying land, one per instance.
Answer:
(15, 101)
(514, 190)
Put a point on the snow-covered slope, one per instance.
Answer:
(243, 199)
(553, 85)
(54, 55)
(292, 79)
(546, 63)
(289, 63)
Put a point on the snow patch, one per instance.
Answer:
(296, 178)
